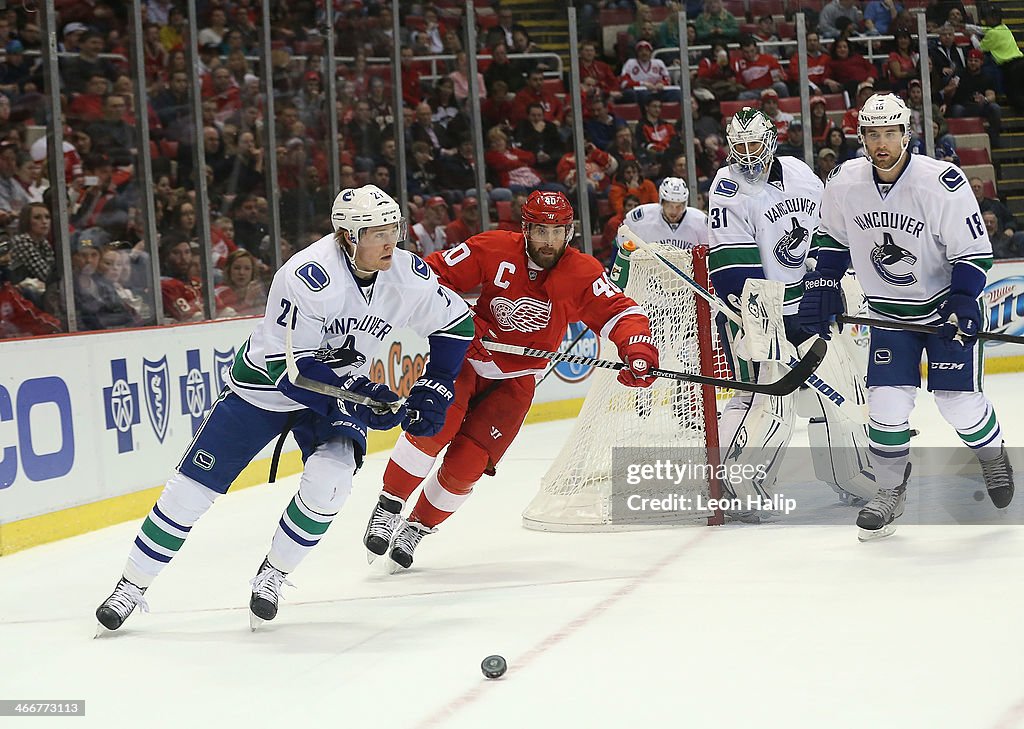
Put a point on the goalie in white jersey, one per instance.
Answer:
(762, 212)
(911, 227)
(341, 297)
(670, 221)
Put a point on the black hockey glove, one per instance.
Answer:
(376, 418)
(821, 304)
(961, 319)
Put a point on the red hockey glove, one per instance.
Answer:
(476, 349)
(641, 356)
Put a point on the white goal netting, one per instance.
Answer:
(671, 419)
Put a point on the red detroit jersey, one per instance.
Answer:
(530, 307)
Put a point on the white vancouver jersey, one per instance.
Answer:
(905, 237)
(764, 227)
(650, 225)
(337, 321)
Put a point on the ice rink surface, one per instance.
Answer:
(774, 625)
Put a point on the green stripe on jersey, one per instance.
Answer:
(982, 262)
(462, 329)
(241, 371)
(793, 292)
(906, 310)
(732, 255)
(827, 242)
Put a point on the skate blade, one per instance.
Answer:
(394, 568)
(254, 621)
(101, 630)
(871, 535)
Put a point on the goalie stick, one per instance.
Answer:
(783, 386)
(924, 328)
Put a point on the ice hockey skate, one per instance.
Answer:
(116, 608)
(266, 592)
(383, 524)
(998, 475)
(406, 540)
(877, 519)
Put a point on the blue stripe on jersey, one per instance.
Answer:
(150, 553)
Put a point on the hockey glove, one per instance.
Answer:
(821, 304)
(376, 418)
(961, 317)
(640, 356)
(427, 404)
(483, 331)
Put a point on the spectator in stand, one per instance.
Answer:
(15, 70)
(998, 40)
(849, 67)
(412, 94)
(655, 134)
(97, 302)
(430, 40)
(881, 14)
(770, 108)
(113, 136)
(794, 146)
(757, 71)
(972, 93)
(245, 169)
(541, 138)
(598, 167)
(630, 182)
(716, 74)
(523, 44)
(504, 69)
(77, 71)
(837, 142)
(428, 235)
(181, 292)
(644, 77)
(716, 23)
(827, 162)
(513, 168)
(534, 93)
(766, 36)
(364, 135)
(250, 228)
(214, 33)
(33, 265)
(497, 110)
(821, 125)
(819, 68)
(948, 59)
(1003, 246)
(466, 225)
(458, 171)
(1005, 222)
(605, 252)
(593, 67)
(915, 100)
(602, 124)
(242, 293)
(902, 65)
(851, 119)
(115, 267)
(624, 146)
(87, 107)
(172, 107)
(19, 317)
(503, 31)
(425, 129)
(382, 178)
(13, 197)
(443, 105)
(516, 223)
(829, 24)
(222, 233)
(460, 79)
(422, 173)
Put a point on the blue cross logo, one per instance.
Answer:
(121, 405)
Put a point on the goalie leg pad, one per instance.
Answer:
(839, 454)
(837, 388)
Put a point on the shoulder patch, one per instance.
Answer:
(952, 179)
(834, 172)
(636, 214)
(420, 267)
(313, 275)
(726, 187)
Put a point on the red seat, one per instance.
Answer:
(659, 13)
(760, 8)
(973, 156)
(966, 125)
(729, 108)
(736, 7)
(169, 148)
(990, 188)
(835, 102)
(487, 21)
(604, 208)
(790, 104)
(787, 31)
(154, 149)
(617, 17)
(504, 211)
(628, 112)
(670, 110)
(748, 28)
(554, 86)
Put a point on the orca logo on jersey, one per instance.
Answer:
(344, 356)
(313, 275)
(888, 253)
(726, 187)
(787, 249)
(521, 315)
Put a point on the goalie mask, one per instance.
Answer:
(753, 140)
(884, 110)
(357, 209)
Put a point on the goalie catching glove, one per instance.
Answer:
(380, 418)
(427, 405)
(764, 334)
(640, 356)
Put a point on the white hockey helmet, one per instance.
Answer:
(673, 189)
(884, 110)
(356, 209)
(748, 127)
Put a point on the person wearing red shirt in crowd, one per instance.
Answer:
(88, 106)
(223, 89)
(513, 167)
(412, 94)
(516, 223)
(592, 67)
(819, 68)
(466, 225)
(19, 317)
(242, 293)
(532, 284)
(497, 110)
(655, 133)
(851, 120)
(849, 67)
(182, 295)
(534, 93)
(599, 166)
(611, 228)
(643, 77)
(757, 71)
(821, 125)
(716, 74)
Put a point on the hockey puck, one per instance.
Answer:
(979, 495)
(494, 666)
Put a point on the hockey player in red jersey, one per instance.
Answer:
(532, 286)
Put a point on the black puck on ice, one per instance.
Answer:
(979, 495)
(494, 666)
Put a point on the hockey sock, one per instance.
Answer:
(889, 446)
(975, 421)
(442, 496)
(299, 530)
(166, 527)
(407, 468)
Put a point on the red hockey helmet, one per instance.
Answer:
(548, 208)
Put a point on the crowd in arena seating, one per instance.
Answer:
(742, 54)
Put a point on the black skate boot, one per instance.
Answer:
(877, 519)
(122, 601)
(266, 591)
(998, 478)
(406, 540)
(381, 529)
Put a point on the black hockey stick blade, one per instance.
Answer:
(790, 382)
(924, 328)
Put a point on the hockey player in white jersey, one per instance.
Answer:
(762, 212)
(912, 230)
(341, 297)
(669, 220)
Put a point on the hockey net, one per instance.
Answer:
(577, 493)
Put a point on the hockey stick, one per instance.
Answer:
(924, 328)
(783, 386)
(325, 388)
(849, 405)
